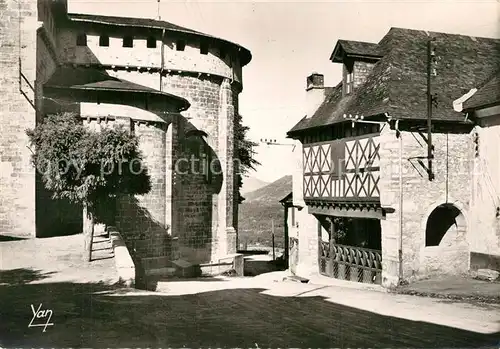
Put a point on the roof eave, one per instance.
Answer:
(472, 108)
(336, 57)
(182, 103)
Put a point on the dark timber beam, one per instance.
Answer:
(343, 212)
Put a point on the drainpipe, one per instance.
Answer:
(162, 52)
(400, 249)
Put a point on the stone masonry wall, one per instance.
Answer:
(197, 200)
(306, 227)
(140, 55)
(452, 167)
(361, 72)
(53, 216)
(308, 243)
(203, 92)
(194, 200)
(144, 220)
(389, 197)
(141, 218)
(484, 235)
(17, 175)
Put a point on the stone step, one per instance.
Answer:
(296, 278)
(182, 264)
(161, 272)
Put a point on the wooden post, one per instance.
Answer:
(331, 246)
(430, 57)
(272, 225)
(88, 232)
(286, 252)
(332, 234)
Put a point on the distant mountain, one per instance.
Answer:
(273, 192)
(260, 211)
(251, 183)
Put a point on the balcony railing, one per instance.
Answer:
(350, 263)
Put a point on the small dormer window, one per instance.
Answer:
(128, 41)
(151, 43)
(348, 78)
(349, 82)
(104, 40)
(180, 45)
(81, 40)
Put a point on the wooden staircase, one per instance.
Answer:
(101, 247)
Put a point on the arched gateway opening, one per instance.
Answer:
(444, 219)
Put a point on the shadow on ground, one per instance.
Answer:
(99, 315)
(254, 267)
(10, 238)
(22, 276)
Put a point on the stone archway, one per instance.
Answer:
(443, 219)
(445, 248)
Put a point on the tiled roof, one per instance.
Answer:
(245, 54)
(397, 83)
(487, 95)
(358, 48)
(79, 78)
(287, 199)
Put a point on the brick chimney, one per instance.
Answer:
(315, 93)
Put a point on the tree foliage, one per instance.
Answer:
(85, 166)
(244, 152)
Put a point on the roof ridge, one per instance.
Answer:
(89, 16)
(359, 41)
(429, 32)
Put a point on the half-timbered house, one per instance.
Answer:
(385, 162)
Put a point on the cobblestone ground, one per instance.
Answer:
(239, 312)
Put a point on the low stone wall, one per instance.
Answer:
(124, 263)
(225, 264)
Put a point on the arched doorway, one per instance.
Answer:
(443, 219)
(445, 249)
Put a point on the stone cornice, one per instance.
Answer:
(157, 70)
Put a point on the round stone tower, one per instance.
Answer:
(207, 71)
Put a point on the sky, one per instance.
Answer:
(290, 39)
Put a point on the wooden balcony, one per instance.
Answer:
(350, 263)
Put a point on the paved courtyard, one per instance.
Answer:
(226, 312)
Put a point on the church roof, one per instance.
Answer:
(91, 79)
(245, 54)
(397, 83)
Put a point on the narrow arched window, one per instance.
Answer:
(128, 41)
(204, 48)
(104, 40)
(222, 53)
(151, 43)
(180, 45)
(81, 39)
